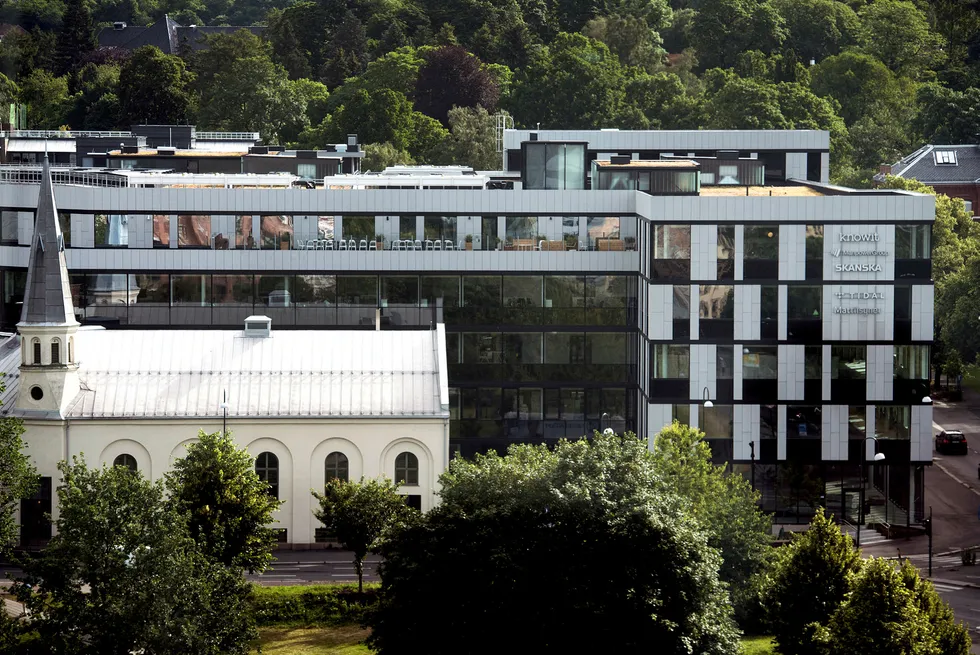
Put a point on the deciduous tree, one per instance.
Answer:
(451, 77)
(75, 38)
(576, 549)
(149, 588)
(46, 97)
(155, 88)
(18, 478)
(361, 515)
(228, 507)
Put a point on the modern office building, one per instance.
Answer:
(625, 280)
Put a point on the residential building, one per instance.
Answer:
(716, 266)
(950, 170)
(166, 34)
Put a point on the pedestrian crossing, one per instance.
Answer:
(946, 586)
(941, 561)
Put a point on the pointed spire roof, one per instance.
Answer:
(47, 296)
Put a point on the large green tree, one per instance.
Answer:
(472, 139)
(898, 33)
(154, 88)
(728, 509)
(46, 97)
(451, 77)
(361, 515)
(724, 28)
(946, 116)
(76, 38)
(816, 29)
(582, 548)
(122, 575)
(18, 478)
(228, 507)
(811, 581)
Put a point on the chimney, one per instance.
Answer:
(258, 326)
(885, 169)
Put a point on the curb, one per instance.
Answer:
(958, 583)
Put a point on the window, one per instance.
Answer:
(161, 230)
(726, 252)
(64, 219)
(306, 171)
(944, 157)
(717, 301)
(813, 362)
(36, 344)
(725, 363)
(848, 362)
(814, 243)
(761, 242)
(913, 242)
(716, 422)
(407, 469)
(803, 422)
(406, 227)
(759, 363)
(243, 232)
(968, 206)
(441, 228)
(911, 362)
(55, 351)
(71, 349)
(892, 422)
(681, 414)
(804, 302)
(277, 232)
(193, 231)
(672, 242)
(126, 461)
(671, 362)
(267, 468)
(336, 467)
(112, 230)
(856, 421)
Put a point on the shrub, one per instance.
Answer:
(312, 605)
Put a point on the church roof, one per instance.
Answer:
(47, 299)
(159, 374)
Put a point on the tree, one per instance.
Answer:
(811, 581)
(727, 508)
(630, 39)
(892, 612)
(451, 77)
(947, 116)
(379, 156)
(361, 515)
(817, 29)
(154, 88)
(724, 28)
(578, 549)
(75, 38)
(860, 83)
(346, 54)
(18, 478)
(95, 104)
(228, 507)
(46, 97)
(287, 49)
(897, 32)
(8, 90)
(149, 588)
(472, 139)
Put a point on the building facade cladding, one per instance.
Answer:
(808, 319)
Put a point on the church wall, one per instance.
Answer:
(371, 446)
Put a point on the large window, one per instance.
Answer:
(359, 228)
(805, 302)
(725, 363)
(813, 362)
(804, 422)
(432, 288)
(8, 227)
(126, 461)
(64, 221)
(406, 227)
(892, 421)
(336, 467)
(267, 468)
(716, 422)
(407, 469)
(717, 301)
(913, 242)
(759, 363)
(277, 232)
(243, 233)
(672, 242)
(726, 252)
(521, 228)
(911, 362)
(440, 228)
(761, 242)
(848, 362)
(602, 230)
(112, 231)
(357, 290)
(670, 361)
(191, 290)
(193, 231)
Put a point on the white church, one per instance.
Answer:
(307, 404)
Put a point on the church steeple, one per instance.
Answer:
(49, 370)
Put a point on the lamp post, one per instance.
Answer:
(704, 397)
(602, 420)
(879, 457)
(752, 454)
(224, 410)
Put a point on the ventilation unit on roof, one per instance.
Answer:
(258, 326)
(166, 150)
(119, 26)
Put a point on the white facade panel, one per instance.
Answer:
(792, 252)
(880, 372)
(923, 312)
(921, 433)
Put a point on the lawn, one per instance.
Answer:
(340, 640)
(758, 646)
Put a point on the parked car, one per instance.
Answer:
(951, 442)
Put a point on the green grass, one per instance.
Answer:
(336, 640)
(758, 646)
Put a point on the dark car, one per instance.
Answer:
(951, 442)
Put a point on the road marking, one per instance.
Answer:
(343, 575)
(945, 587)
(947, 471)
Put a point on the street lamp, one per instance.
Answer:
(704, 397)
(752, 450)
(927, 400)
(224, 409)
(602, 420)
(879, 457)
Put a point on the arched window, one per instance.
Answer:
(56, 351)
(407, 469)
(336, 467)
(267, 468)
(127, 461)
(36, 344)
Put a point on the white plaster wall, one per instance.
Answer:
(371, 447)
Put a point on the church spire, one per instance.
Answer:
(47, 296)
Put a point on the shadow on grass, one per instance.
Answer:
(334, 640)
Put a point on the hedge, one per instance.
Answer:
(312, 605)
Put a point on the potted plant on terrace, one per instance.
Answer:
(469, 242)
(380, 240)
(630, 243)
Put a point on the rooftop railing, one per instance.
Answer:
(226, 136)
(63, 134)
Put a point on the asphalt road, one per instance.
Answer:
(315, 566)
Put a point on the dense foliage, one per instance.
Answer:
(18, 478)
(123, 575)
(884, 76)
(228, 507)
(584, 548)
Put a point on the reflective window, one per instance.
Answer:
(431, 288)
(521, 348)
(407, 469)
(761, 241)
(277, 232)
(564, 291)
(856, 421)
(848, 362)
(670, 361)
(682, 302)
(716, 422)
(717, 301)
(681, 414)
(760, 363)
(814, 243)
(231, 290)
(564, 348)
(913, 242)
(243, 233)
(522, 291)
(314, 290)
(112, 231)
(725, 363)
(603, 232)
(726, 252)
(358, 228)
(8, 227)
(406, 227)
(336, 467)
(911, 362)
(892, 422)
(672, 242)
(399, 290)
(521, 228)
(804, 301)
(193, 231)
(64, 220)
(126, 461)
(813, 362)
(440, 227)
(357, 290)
(267, 468)
(804, 422)
(191, 290)
(606, 347)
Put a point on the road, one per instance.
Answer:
(315, 566)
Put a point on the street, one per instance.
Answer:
(315, 566)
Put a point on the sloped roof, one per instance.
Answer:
(293, 373)
(47, 296)
(161, 34)
(921, 165)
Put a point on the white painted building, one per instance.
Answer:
(308, 404)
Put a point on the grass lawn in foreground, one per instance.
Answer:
(758, 646)
(339, 640)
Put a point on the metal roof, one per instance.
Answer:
(921, 165)
(290, 374)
